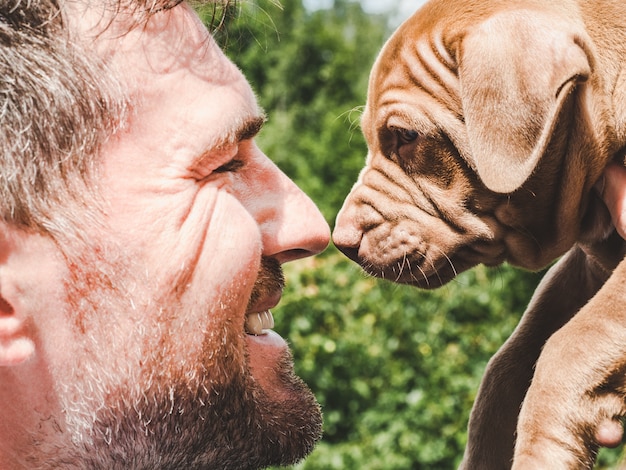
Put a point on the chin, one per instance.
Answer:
(217, 414)
(294, 412)
(286, 400)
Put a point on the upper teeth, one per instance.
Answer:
(257, 322)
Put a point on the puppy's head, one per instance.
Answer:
(485, 136)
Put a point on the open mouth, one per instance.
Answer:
(259, 323)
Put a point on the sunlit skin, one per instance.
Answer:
(189, 207)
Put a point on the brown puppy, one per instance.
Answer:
(488, 123)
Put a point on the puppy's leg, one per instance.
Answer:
(578, 384)
(493, 419)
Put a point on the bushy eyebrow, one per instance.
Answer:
(246, 130)
(250, 128)
(241, 131)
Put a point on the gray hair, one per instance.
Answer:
(57, 107)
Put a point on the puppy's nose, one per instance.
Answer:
(350, 252)
(347, 235)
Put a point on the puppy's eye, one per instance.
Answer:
(406, 136)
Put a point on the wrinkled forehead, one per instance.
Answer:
(171, 61)
(168, 40)
(97, 15)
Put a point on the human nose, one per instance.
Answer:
(292, 226)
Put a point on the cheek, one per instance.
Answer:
(223, 253)
(202, 237)
(230, 254)
(192, 295)
(210, 295)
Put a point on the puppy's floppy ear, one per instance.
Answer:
(516, 70)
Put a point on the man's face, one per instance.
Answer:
(153, 367)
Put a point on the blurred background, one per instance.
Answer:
(395, 369)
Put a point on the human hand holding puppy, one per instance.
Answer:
(609, 434)
(614, 195)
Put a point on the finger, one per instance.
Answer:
(609, 433)
(614, 196)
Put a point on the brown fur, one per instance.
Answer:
(488, 124)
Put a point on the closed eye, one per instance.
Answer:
(230, 166)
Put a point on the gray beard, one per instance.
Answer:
(206, 412)
(233, 425)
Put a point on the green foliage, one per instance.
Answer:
(395, 369)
